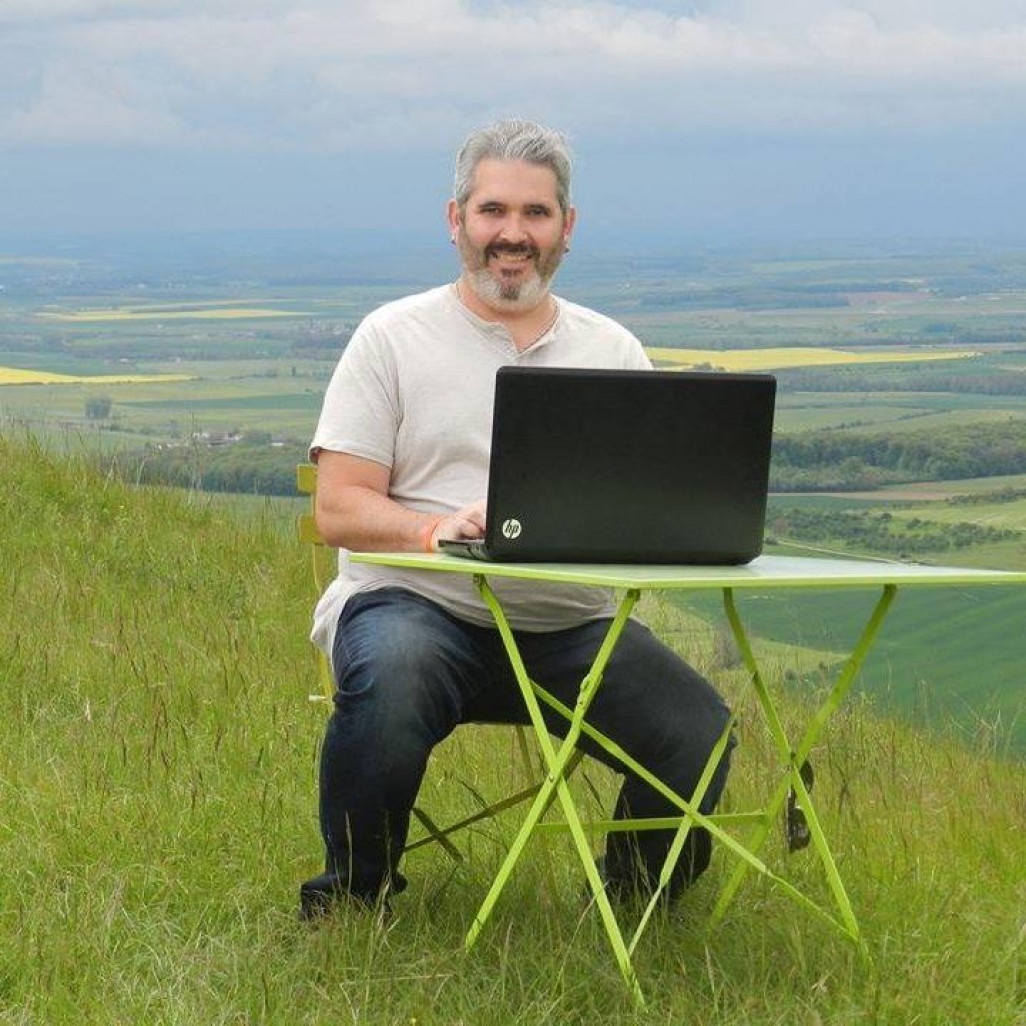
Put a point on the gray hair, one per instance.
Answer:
(514, 139)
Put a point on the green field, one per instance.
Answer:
(878, 420)
(942, 656)
(158, 770)
(796, 413)
(257, 395)
(971, 486)
(197, 312)
(159, 794)
(310, 401)
(939, 421)
(989, 514)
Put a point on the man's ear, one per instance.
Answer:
(452, 212)
(568, 224)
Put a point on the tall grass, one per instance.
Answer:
(157, 812)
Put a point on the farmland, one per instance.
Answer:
(206, 311)
(222, 369)
(777, 358)
(20, 376)
(259, 356)
(231, 349)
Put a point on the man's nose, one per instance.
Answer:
(513, 229)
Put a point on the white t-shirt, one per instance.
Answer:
(414, 392)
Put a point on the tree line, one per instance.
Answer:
(248, 466)
(914, 377)
(838, 461)
(820, 461)
(880, 532)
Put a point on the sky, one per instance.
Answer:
(689, 119)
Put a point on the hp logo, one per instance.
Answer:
(511, 529)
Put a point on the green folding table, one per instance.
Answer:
(764, 573)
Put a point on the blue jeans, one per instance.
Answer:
(408, 673)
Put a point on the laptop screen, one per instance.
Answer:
(629, 466)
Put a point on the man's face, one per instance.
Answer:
(511, 234)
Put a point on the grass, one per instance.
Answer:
(949, 656)
(157, 781)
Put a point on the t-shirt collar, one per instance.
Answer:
(496, 329)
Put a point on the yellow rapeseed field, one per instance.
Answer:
(777, 359)
(16, 376)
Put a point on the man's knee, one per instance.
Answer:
(396, 656)
(674, 711)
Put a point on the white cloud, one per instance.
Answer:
(87, 109)
(951, 15)
(387, 73)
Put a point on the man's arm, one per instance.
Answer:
(355, 512)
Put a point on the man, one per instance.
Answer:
(402, 451)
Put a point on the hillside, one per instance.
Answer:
(157, 811)
(950, 657)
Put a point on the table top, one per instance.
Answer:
(763, 572)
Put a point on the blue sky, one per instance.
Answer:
(705, 119)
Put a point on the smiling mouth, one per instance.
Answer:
(513, 256)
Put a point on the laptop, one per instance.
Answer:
(613, 466)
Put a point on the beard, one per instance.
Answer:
(512, 295)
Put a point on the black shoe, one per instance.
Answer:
(619, 890)
(323, 895)
(796, 826)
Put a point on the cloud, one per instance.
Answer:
(386, 74)
(73, 107)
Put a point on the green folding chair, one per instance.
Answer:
(532, 775)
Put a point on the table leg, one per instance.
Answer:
(689, 810)
(557, 761)
(795, 757)
(677, 845)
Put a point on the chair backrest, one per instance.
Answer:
(307, 533)
(306, 524)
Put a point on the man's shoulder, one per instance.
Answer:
(429, 303)
(587, 338)
(584, 318)
(403, 326)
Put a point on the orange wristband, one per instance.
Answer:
(427, 531)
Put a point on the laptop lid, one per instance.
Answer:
(628, 466)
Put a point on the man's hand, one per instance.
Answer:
(465, 523)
